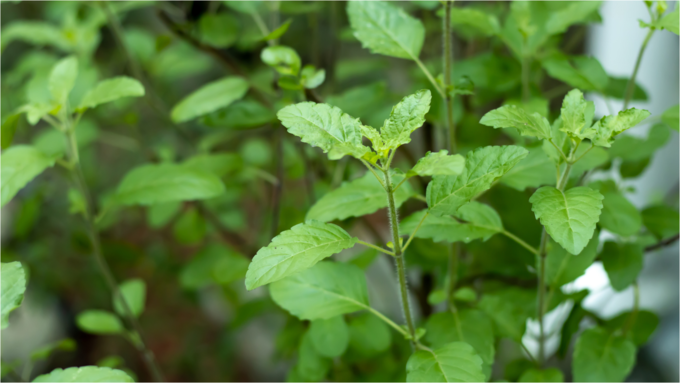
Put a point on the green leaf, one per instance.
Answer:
(110, 90)
(482, 22)
(477, 221)
(9, 127)
(85, 374)
(465, 294)
(278, 32)
(602, 357)
(282, 58)
(483, 166)
(335, 132)
(610, 126)
(161, 183)
(509, 309)
(220, 164)
(159, 215)
(535, 170)
(356, 198)
(562, 267)
(569, 217)
(323, 291)
(576, 113)
(134, 293)
(243, 114)
(311, 78)
(386, 29)
(213, 264)
(219, 30)
(44, 352)
(510, 116)
(591, 160)
(439, 164)
(671, 117)
(247, 7)
(662, 221)
(295, 250)
(330, 337)
(19, 165)
(368, 335)
(99, 322)
(617, 89)
(623, 263)
(670, 21)
(641, 328)
(311, 365)
(62, 78)
(547, 375)
(581, 72)
(407, 116)
(13, 283)
(453, 362)
(619, 215)
(574, 13)
(289, 83)
(209, 98)
(633, 149)
(33, 32)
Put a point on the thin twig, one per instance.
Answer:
(662, 244)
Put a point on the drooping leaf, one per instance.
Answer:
(295, 250)
(134, 293)
(439, 164)
(453, 362)
(547, 375)
(278, 32)
(20, 164)
(330, 337)
(284, 59)
(477, 221)
(511, 116)
(219, 30)
(110, 90)
(335, 132)
(670, 21)
(85, 374)
(562, 267)
(323, 291)
(623, 263)
(446, 194)
(368, 335)
(386, 29)
(535, 170)
(356, 198)
(662, 221)
(610, 126)
(509, 309)
(407, 116)
(581, 72)
(209, 98)
(62, 78)
(99, 322)
(569, 217)
(161, 183)
(600, 356)
(671, 116)
(13, 285)
(213, 264)
(619, 215)
(311, 365)
(642, 325)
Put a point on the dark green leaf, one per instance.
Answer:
(640, 325)
(547, 375)
(219, 30)
(662, 221)
(330, 337)
(619, 215)
(562, 267)
(623, 263)
(602, 357)
(369, 335)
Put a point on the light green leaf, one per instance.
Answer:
(220, 164)
(20, 164)
(34, 32)
(386, 29)
(562, 267)
(670, 21)
(547, 375)
(465, 294)
(610, 126)
(623, 263)
(110, 90)
(581, 72)
(482, 22)
(243, 114)
(671, 116)
(278, 32)
(576, 12)
(577, 113)
(99, 322)
(643, 326)
(85, 374)
(368, 335)
(439, 164)
(335, 132)
(477, 221)
(295, 250)
(330, 337)
(595, 157)
(453, 362)
(535, 170)
(247, 7)
(158, 215)
(134, 293)
(161, 183)
(662, 221)
(511, 116)
(282, 58)
(209, 98)
(311, 78)
(213, 264)
(219, 30)
(35, 111)
(569, 217)
(9, 127)
(602, 357)
(323, 291)
(407, 116)
(62, 78)
(13, 283)
(509, 309)
(617, 89)
(483, 166)
(356, 198)
(619, 215)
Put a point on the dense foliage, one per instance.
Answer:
(179, 174)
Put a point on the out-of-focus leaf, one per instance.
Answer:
(99, 322)
(209, 98)
(110, 90)
(244, 114)
(20, 164)
(13, 285)
(600, 356)
(284, 59)
(619, 215)
(561, 267)
(134, 293)
(219, 30)
(85, 374)
(662, 221)
(535, 170)
(330, 337)
(671, 116)
(623, 263)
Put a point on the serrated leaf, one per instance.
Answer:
(161, 183)
(13, 283)
(283, 59)
(407, 116)
(670, 21)
(569, 217)
(110, 90)
(62, 78)
(581, 72)
(85, 374)
(477, 221)
(323, 291)
(99, 322)
(547, 375)
(386, 29)
(356, 198)
(209, 98)
(19, 165)
(619, 215)
(511, 116)
(439, 164)
(369, 335)
(134, 293)
(330, 337)
(453, 362)
(610, 126)
(295, 250)
(483, 166)
(671, 117)
(642, 324)
(662, 221)
(335, 132)
(536, 169)
(602, 357)
(623, 263)
(576, 113)
(562, 267)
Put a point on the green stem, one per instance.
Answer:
(429, 76)
(631, 83)
(636, 307)
(452, 272)
(387, 320)
(520, 241)
(525, 78)
(375, 247)
(413, 234)
(447, 65)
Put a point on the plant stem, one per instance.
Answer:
(447, 65)
(375, 247)
(399, 257)
(452, 272)
(429, 76)
(636, 306)
(631, 83)
(387, 320)
(525, 78)
(520, 241)
(77, 173)
(410, 238)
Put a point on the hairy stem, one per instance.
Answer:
(372, 246)
(631, 83)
